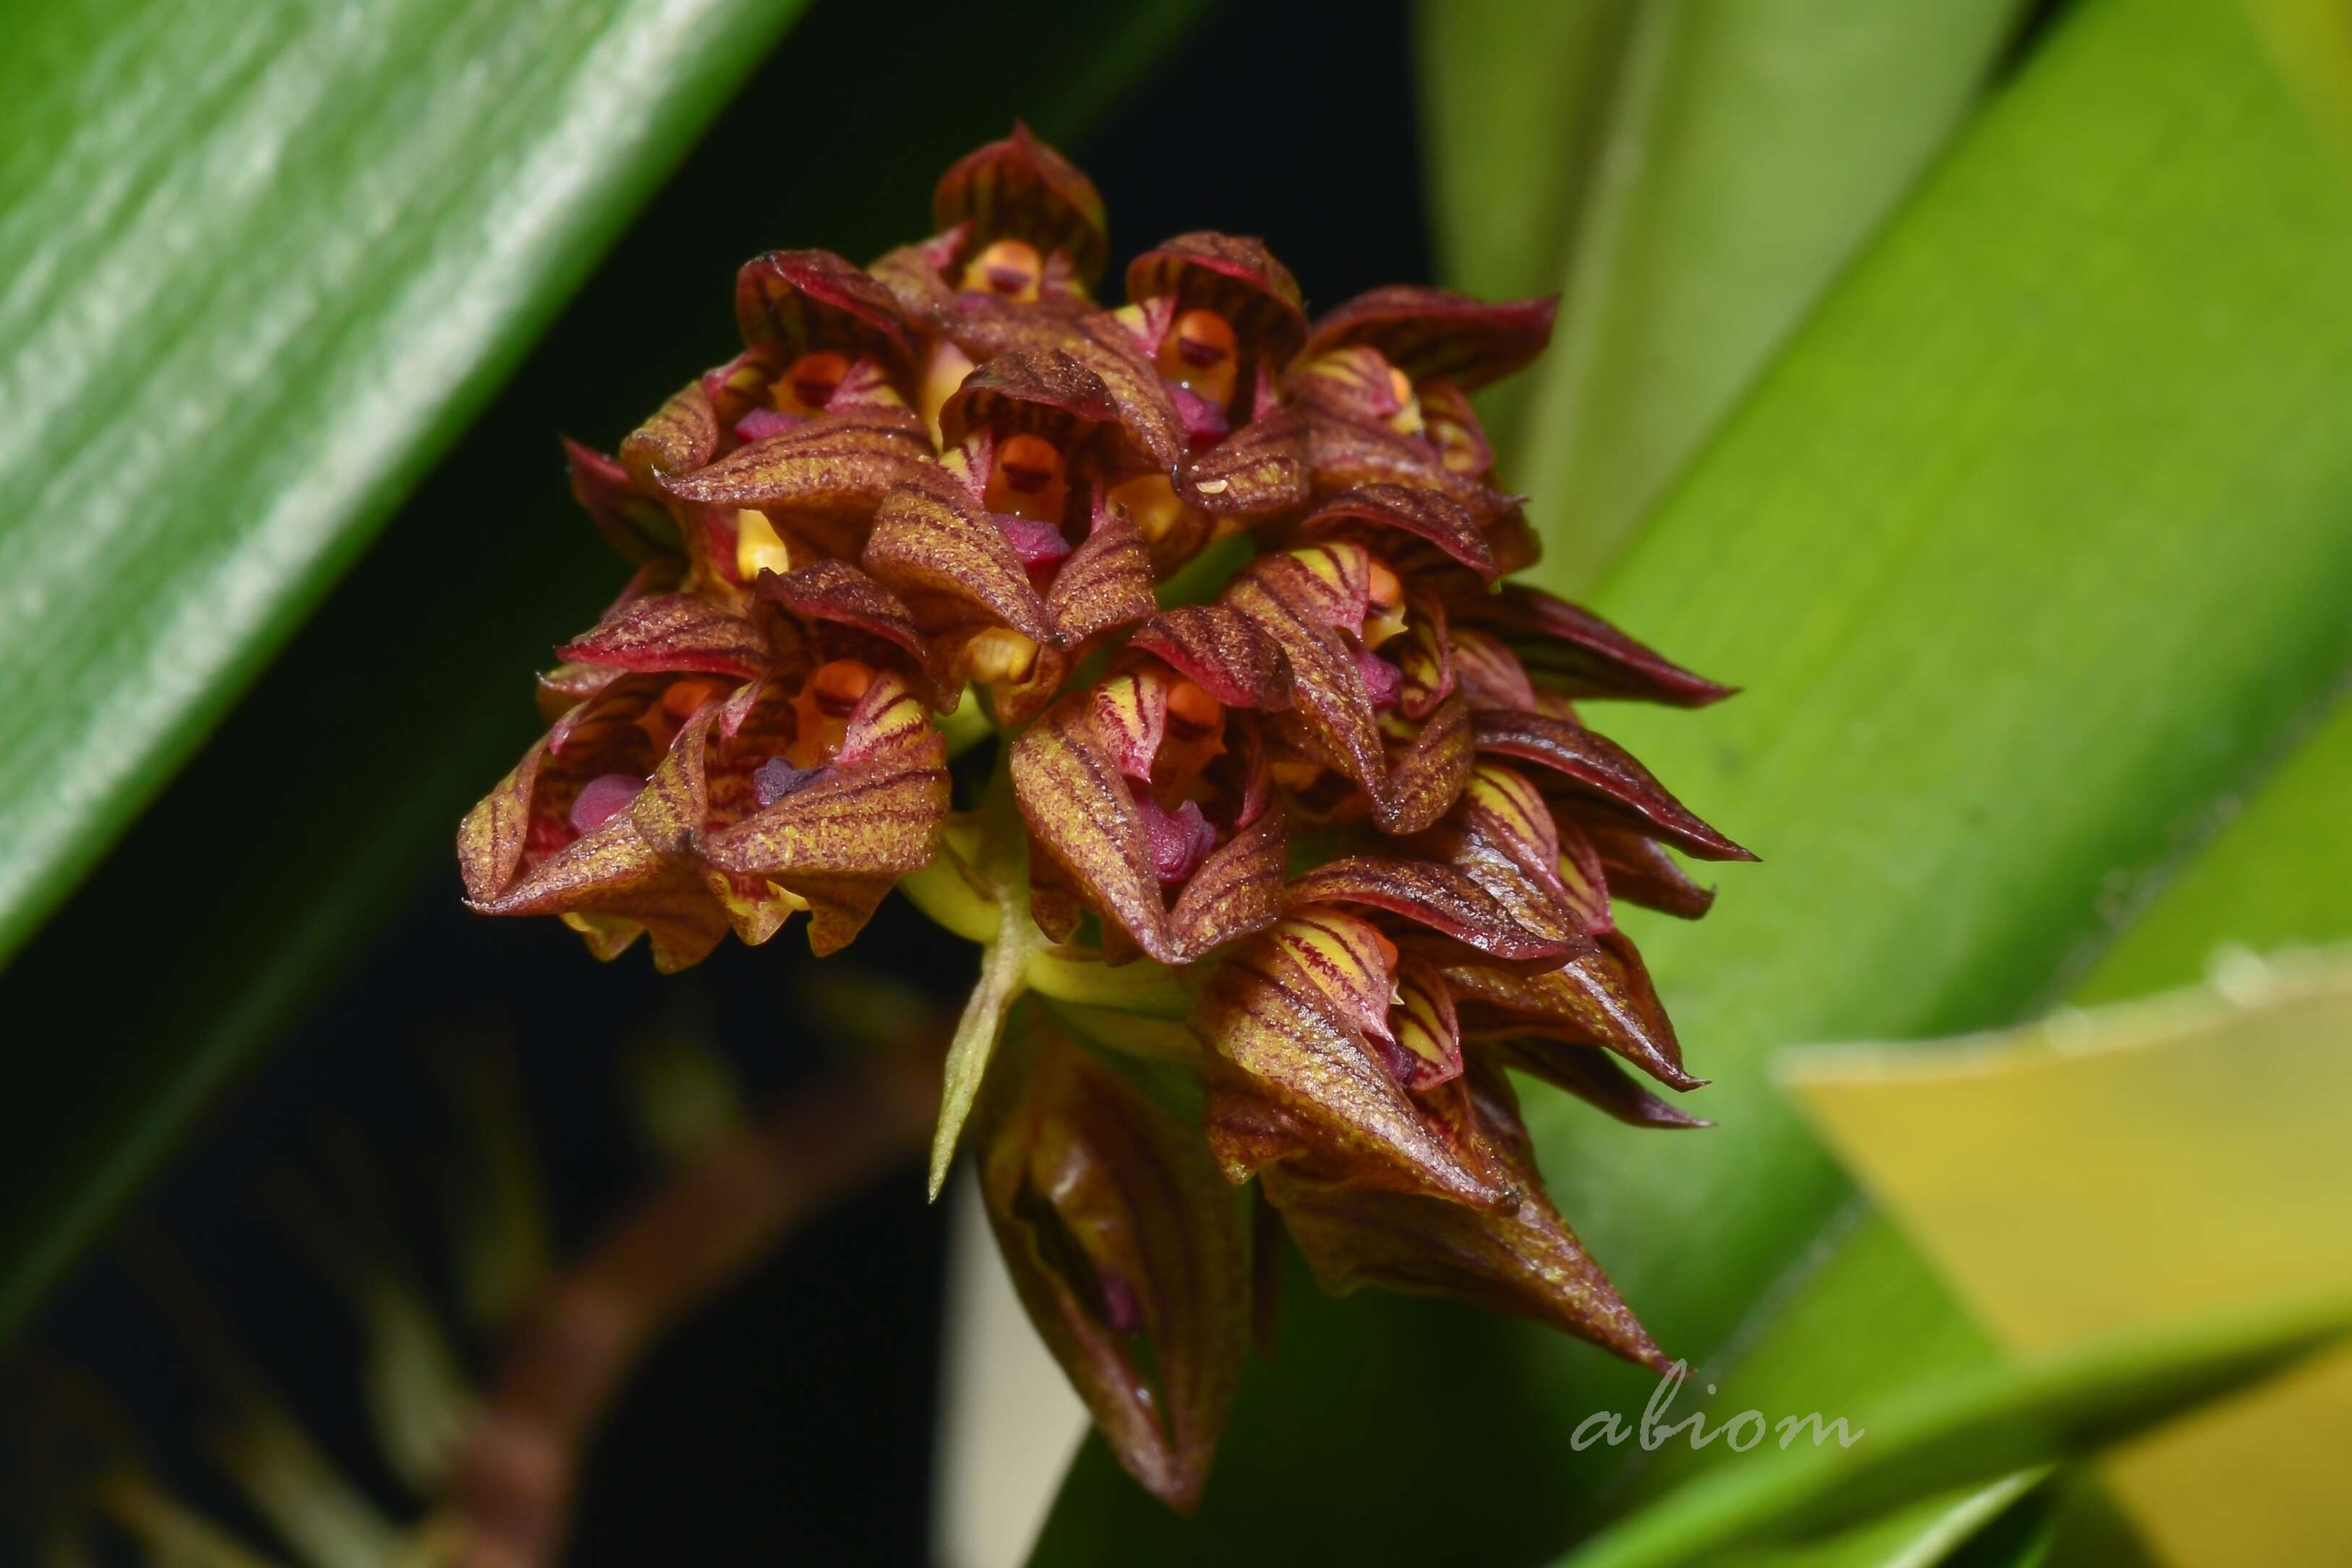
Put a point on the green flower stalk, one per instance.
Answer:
(1296, 846)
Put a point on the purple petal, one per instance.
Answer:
(601, 797)
(1122, 1309)
(1206, 424)
(1181, 840)
(762, 422)
(775, 778)
(1383, 680)
(1037, 544)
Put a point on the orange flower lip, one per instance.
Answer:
(601, 797)
(1028, 463)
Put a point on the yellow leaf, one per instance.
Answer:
(2101, 1170)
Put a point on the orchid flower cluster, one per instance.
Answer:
(1294, 841)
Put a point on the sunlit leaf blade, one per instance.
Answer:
(1691, 175)
(1980, 1429)
(1975, 551)
(1515, 104)
(376, 750)
(263, 262)
(2311, 42)
(2179, 1155)
(1870, 1318)
(1914, 1535)
(2273, 877)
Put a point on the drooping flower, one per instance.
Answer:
(1278, 884)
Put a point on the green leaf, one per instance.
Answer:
(1004, 972)
(380, 728)
(264, 261)
(1977, 1430)
(2273, 877)
(1911, 1536)
(1690, 174)
(2311, 42)
(1871, 1317)
(1976, 548)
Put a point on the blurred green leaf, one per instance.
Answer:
(2311, 42)
(412, 675)
(1977, 549)
(263, 261)
(1691, 174)
(1912, 1535)
(2274, 876)
(1872, 1319)
(2056, 1407)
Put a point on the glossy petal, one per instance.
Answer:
(1144, 408)
(612, 887)
(1593, 1075)
(1488, 673)
(673, 632)
(1232, 275)
(695, 790)
(490, 840)
(1427, 773)
(1297, 598)
(872, 813)
(1020, 188)
(957, 573)
(1428, 1036)
(1356, 385)
(803, 300)
(1440, 896)
(1527, 1263)
(610, 883)
(1066, 777)
(1258, 471)
(836, 591)
(1367, 511)
(834, 466)
(1237, 892)
(1342, 453)
(1578, 654)
(1222, 651)
(1437, 335)
(1641, 871)
(679, 438)
(1291, 1013)
(1424, 656)
(1450, 420)
(1504, 816)
(631, 521)
(1601, 770)
(1603, 997)
(1127, 1251)
(1029, 388)
(1106, 583)
(1131, 719)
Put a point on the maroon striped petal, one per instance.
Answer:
(1578, 654)
(1528, 1262)
(1440, 896)
(1437, 335)
(1126, 1249)
(673, 632)
(1602, 770)
(1020, 188)
(1232, 275)
(1285, 1014)
(805, 300)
